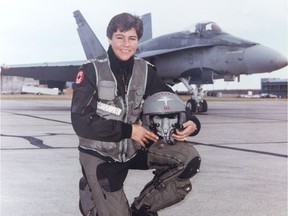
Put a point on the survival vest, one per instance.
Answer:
(112, 106)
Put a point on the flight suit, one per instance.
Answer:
(96, 122)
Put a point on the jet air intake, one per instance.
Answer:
(199, 75)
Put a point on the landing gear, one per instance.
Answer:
(191, 104)
(197, 99)
(202, 106)
(197, 103)
(194, 106)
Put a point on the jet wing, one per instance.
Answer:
(147, 54)
(57, 71)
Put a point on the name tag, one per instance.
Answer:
(109, 108)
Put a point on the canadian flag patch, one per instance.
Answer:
(79, 77)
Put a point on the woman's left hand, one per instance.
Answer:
(189, 128)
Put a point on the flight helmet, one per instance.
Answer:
(163, 113)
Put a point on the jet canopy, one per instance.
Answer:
(213, 32)
(203, 27)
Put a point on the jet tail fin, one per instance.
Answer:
(147, 27)
(91, 45)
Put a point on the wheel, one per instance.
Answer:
(191, 105)
(203, 106)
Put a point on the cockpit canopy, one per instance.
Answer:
(201, 27)
(204, 26)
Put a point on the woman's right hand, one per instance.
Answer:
(142, 136)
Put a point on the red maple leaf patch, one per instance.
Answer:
(79, 77)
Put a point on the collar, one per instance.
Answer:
(118, 66)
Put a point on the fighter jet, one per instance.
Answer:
(203, 53)
(194, 56)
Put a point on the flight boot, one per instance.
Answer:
(143, 211)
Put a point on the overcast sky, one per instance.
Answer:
(37, 31)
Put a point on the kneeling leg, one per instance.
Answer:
(174, 165)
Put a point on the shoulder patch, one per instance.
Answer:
(79, 77)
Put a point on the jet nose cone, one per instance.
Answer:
(259, 59)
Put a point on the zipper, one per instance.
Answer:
(125, 80)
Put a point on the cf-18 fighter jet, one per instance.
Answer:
(204, 53)
(193, 57)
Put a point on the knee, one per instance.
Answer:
(191, 169)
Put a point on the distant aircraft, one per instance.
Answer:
(195, 56)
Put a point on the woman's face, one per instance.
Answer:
(124, 44)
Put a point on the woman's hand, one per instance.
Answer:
(189, 128)
(142, 136)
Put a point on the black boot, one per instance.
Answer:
(143, 211)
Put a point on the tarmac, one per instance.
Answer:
(243, 145)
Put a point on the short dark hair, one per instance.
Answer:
(125, 22)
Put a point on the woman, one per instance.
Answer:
(105, 112)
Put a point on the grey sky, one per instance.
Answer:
(37, 31)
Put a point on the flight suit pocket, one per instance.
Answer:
(106, 90)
